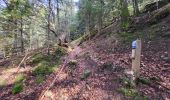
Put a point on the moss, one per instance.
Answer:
(18, 87)
(19, 78)
(126, 37)
(40, 79)
(60, 52)
(128, 92)
(42, 69)
(37, 58)
(143, 81)
(128, 83)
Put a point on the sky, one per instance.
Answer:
(76, 0)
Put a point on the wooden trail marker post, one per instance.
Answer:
(136, 57)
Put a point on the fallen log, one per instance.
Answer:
(159, 14)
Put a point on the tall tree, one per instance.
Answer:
(135, 7)
(124, 13)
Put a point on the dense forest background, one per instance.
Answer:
(31, 24)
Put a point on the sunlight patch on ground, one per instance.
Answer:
(50, 94)
(70, 49)
(7, 76)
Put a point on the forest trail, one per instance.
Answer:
(98, 86)
(106, 65)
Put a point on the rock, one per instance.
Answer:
(85, 74)
(166, 34)
(166, 58)
(153, 6)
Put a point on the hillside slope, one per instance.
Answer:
(107, 59)
(96, 69)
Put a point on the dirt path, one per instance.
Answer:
(103, 82)
(106, 67)
(98, 86)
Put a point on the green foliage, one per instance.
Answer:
(18, 87)
(128, 92)
(18, 8)
(60, 52)
(125, 24)
(39, 79)
(37, 58)
(132, 93)
(126, 37)
(46, 64)
(143, 81)
(128, 83)
(85, 74)
(19, 78)
(42, 69)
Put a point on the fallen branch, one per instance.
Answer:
(163, 86)
(51, 85)
(22, 60)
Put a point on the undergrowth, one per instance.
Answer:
(46, 64)
(18, 85)
(129, 90)
(39, 79)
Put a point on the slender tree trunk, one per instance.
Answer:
(157, 4)
(14, 29)
(124, 13)
(135, 7)
(100, 15)
(22, 40)
(58, 17)
(48, 33)
(88, 25)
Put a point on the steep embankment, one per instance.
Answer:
(96, 70)
(104, 59)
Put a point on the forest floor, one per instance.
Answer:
(97, 72)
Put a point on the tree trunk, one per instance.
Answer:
(88, 25)
(15, 37)
(22, 40)
(100, 15)
(135, 7)
(58, 18)
(124, 13)
(48, 33)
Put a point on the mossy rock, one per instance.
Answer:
(85, 74)
(160, 14)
